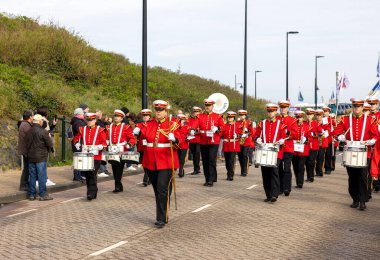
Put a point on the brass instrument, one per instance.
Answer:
(242, 140)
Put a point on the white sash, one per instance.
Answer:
(275, 133)
(121, 130)
(363, 129)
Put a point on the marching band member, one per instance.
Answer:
(302, 132)
(95, 137)
(366, 109)
(183, 146)
(313, 145)
(211, 125)
(246, 129)
(375, 161)
(330, 149)
(231, 144)
(357, 127)
(121, 137)
(195, 148)
(271, 131)
(146, 116)
(285, 171)
(159, 158)
(323, 142)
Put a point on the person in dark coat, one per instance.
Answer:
(76, 122)
(24, 127)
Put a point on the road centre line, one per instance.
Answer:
(20, 213)
(109, 248)
(251, 187)
(201, 208)
(71, 200)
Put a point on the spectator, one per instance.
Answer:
(43, 111)
(76, 122)
(38, 146)
(24, 127)
(85, 108)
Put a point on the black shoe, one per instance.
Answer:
(145, 184)
(328, 172)
(311, 179)
(89, 197)
(205, 184)
(195, 173)
(117, 191)
(354, 204)
(362, 205)
(377, 188)
(307, 180)
(267, 200)
(159, 224)
(24, 189)
(273, 199)
(210, 184)
(243, 174)
(286, 193)
(299, 186)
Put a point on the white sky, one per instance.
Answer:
(205, 37)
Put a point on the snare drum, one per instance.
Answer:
(130, 157)
(266, 155)
(83, 161)
(113, 158)
(355, 155)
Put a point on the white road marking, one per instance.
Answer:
(139, 183)
(71, 200)
(108, 248)
(251, 187)
(20, 213)
(202, 208)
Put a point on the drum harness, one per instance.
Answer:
(275, 133)
(121, 130)
(363, 130)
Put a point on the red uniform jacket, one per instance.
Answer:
(126, 135)
(270, 130)
(289, 122)
(331, 127)
(204, 122)
(375, 162)
(184, 131)
(370, 130)
(157, 155)
(197, 136)
(246, 125)
(229, 145)
(302, 130)
(315, 131)
(89, 134)
(323, 142)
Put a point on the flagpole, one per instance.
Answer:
(336, 93)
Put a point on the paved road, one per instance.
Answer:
(227, 221)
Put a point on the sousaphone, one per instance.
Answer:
(221, 103)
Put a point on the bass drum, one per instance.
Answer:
(221, 103)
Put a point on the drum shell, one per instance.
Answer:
(113, 159)
(104, 158)
(355, 157)
(266, 156)
(83, 161)
(130, 157)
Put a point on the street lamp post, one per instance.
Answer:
(256, 71)
(245, 61)
(144, 101)
(316, 81)
(287, 75)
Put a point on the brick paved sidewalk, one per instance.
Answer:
(313, 223)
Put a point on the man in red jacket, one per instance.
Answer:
(375, 161)
(285, 170)
(246, 130)
(161, 134)
(323, 142)
(313, 145)
(120, 139)
(146, 116)
(210, 126)
(271, 132)
(195, 148)
(91, 138)
(231, 144)
(183, 146)
(361, 129)
(330, 149)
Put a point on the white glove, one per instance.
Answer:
(281, 141)
(259, 140)
(77, 146)
(341, 138)
(244, 135)
(99, 147)
(378, 128)
(371, 142)
(326, 133)
(245, 130)
(303, 139)
(171, 137)
(192, 132)
(136, 131)
(235, 136)
(214, 129)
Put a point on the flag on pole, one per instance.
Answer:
(300, 97)
(374, 89)
(343, 83)
(378, 67)
(332, 98)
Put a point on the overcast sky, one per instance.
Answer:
(205, 37)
